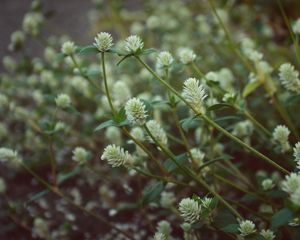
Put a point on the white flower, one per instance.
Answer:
(291, 183)
(80, 155)
(289, 77)
(7, 154)
(206, 202)
(164, 59)
(254, 55)
(138, 133)
(135, 111)
(68, 48)
(113, 134)
(17, 38)
(281, 134)
(63, 100)
(121, 93)
(158, 132)
(296, 26)
(296, 153)
(247, 227)
(116, 156)
(32, 22)
(194, 93)
(295, 197)
(267, 184)
(186, 55)
(103, 41)
(164, 227)
(267, 234)
(133, 44)
(41, 228)
(190, 210)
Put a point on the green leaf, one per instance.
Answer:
(171, 166)
(152, 192)
(250, 87)
(189, 123)
(89, 50)
(65, 176)
(281, 218)
(147, 51)
(219, 106)
(37, 196)
(117, 51)
(105, 125)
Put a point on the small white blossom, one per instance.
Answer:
(80, 155)
(133, 44)
(63, 100)
(136, 111)
(267, 234)
(116, 156)
(194, 93)
(158, 132)
(32, 22)
(167, 199)
(291, 183)
(247, 227)
(113, 134)
(68, 48)
(289, 77)
(165, 228)
(103, 41)
(186, 55)
(267, 184)
(7, 154)
(164, 59)
(206, 202)
(296, 26)
(159, 236)
(281, 134)
(190, 210)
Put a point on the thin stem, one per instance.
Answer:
(211, 122)
(52, 161)
(106, 85)
(60, 194)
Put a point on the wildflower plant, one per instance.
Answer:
(153, 129)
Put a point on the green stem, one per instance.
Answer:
(106, 85)
(211, 122)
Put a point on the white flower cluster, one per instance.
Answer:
(32, 22)
(133, 44)
(63, 100)
(9, 156)
(190, 210)
(267, 234)
(248, 49)
(158, 132)
(291, 185)
(117, 156)
(68, 48)
(267, 184)
(80, 155)
(17, 39)
(289, 77)
(186, 55)
(194, 93)
(103, 41)
(246, 227)
(136, 111)
(164, 60)
(281, 134)
(160, 236)
(163, 231)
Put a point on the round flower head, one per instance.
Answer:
(135, 111)
(186, 55)
(116, 156)
(281, 134)
(32, 22)
(133, 44)
(190, 210)
(164, 227)
(267, 184)
(289, 77)
(296, 26)
(68, 48)
(267, 234)
(167, 199)
(158, 132)
(80, 155)
(7, 154)
(63, 100)
(194, 93)
(164, 59)
(291, 183)
(103, 41)
(206, 202)
(17, 39)
(247, 227)
(296, 153)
